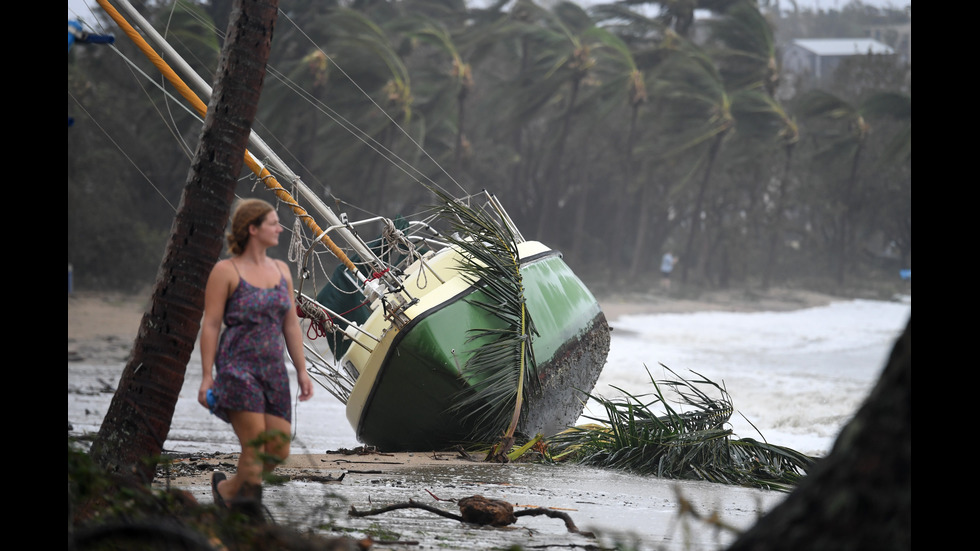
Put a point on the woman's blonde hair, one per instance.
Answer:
(248, 212)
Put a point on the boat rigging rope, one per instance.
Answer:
(397, 240)
(296, 250)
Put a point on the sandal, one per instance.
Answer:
(216, 478)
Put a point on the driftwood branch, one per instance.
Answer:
(478, 510)
(437, 498)
(551, 513)
(412, 504)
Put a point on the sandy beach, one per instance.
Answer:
(100, 325)
(101, 329)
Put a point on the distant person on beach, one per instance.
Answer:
(666, 267)
(252, 295)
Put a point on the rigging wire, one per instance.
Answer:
(163, 80)
(365, 138)
(121, 150)
(190, 52)
(379, 108)
(349, 126)
(78, 17)
(356, 132)
(393, 158)
(172, 125)
(136, 71)
(362, 136)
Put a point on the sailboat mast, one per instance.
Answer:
(255, 141)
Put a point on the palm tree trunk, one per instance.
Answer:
(775, 230)
(581, 216)
(138, 420)
(460, 121)
(640, 254)
(519, 170)
(624, 199)
(848, 216)
(699, 206)
(554, 177)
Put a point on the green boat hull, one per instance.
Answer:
(411, 403)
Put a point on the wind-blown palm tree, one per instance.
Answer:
(701, 88)
(766, 125)
(447, 87)
(347, 69)
(549, 56)
(746, 54)
(700, 115)
(846, 128)
(842, 146)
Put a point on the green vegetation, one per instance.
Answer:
(503, 359)
(111, 511)
(608, 134)
(695, 444)
(106, 510)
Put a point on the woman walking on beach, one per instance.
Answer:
(252, 295)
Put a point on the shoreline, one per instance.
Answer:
(193, 472)
(103, 325)
(321, 481)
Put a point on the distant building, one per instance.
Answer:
(819, 57)
(898, 36)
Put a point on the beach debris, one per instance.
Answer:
(328, 479)
(437, 498)
(478, 510)
(692, 442)
(360, 450)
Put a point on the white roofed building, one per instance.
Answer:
(819, 57)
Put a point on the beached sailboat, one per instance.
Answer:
(447, 329)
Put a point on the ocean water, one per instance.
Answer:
(796, 376)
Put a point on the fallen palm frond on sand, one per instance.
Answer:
(694, 444)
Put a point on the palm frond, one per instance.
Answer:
(697, 444)
(501, 369)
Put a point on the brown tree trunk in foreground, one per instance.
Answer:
(860, 496)
(138, 420)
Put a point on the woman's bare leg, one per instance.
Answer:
(249, 427)
(276, 442)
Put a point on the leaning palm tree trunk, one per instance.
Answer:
(138, 420)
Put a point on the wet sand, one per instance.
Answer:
(322, 487)
(103, 325)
